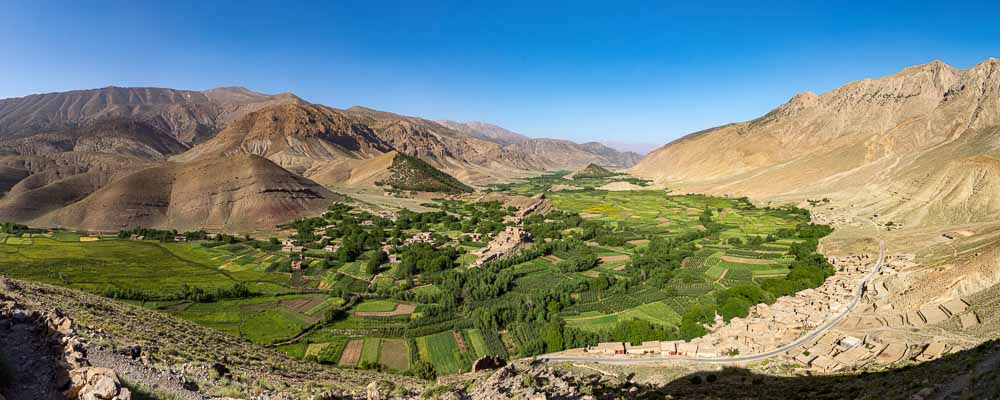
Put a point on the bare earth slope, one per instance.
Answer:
(237, 193)
(190, 116)
(124, 136)
(485, 131)
(295, 136)
(919, 146)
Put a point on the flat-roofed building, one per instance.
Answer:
(850, 342)
(668, 348)
(651, 347)
(955, 306)
(824, 363)
(687, 348)
(609, 348)
(852, 356)
(969, 320)
(933, 314)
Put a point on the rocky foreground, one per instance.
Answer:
(46, 359)
(64, 344)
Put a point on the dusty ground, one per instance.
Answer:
(31, 368)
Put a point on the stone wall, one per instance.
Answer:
(43, 347)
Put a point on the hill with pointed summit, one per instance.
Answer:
(592, 171)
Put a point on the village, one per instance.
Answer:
(483, 244)
(869, 337)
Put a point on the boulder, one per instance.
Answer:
(220, 370)
(65, 327)
(96, 383)
(7, 285)
(379, 390)
(487, 363)
(372, 392)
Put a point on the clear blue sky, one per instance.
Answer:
(635, 72)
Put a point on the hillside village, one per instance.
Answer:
(873, 336)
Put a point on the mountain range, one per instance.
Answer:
(918, 147)
(112, 158)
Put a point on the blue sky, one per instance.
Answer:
(633, 72)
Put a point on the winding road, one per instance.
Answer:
(819, 331)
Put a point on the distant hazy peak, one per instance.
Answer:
(485, 131)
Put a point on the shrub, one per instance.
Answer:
(424, 370)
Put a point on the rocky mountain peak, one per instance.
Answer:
(911, 130)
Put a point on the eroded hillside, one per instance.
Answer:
(918, 146)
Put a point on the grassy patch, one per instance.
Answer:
(260, 320)
(376, 306)
(441, 350)
(395, 354)
(657, 313)
(370, 351)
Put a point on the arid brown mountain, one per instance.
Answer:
(84, 159)
(485, 131)
(920, 146)
(189, 116)
(125, 136)
(37, 185)
(238, 193)
(65, 154)
(457, 153)
(295, 136)
(547, 154)
(636, 147)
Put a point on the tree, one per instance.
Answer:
(552, 335)
(424, 370)
(377, 259)
(690, 330)
(734, 307)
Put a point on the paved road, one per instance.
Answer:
(819, 331)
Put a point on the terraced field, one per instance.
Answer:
(395, 354)
(259, 319)
(442, 350)
(95, 266)
(595, 321)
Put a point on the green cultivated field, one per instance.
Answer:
(441, 350)
(395, 354)
(370, 351)
(148, 266)
(259, 320)
(657, 313)
(376, 306)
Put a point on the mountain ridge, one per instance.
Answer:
(912, 131)
(546, 153)
(69, 157)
